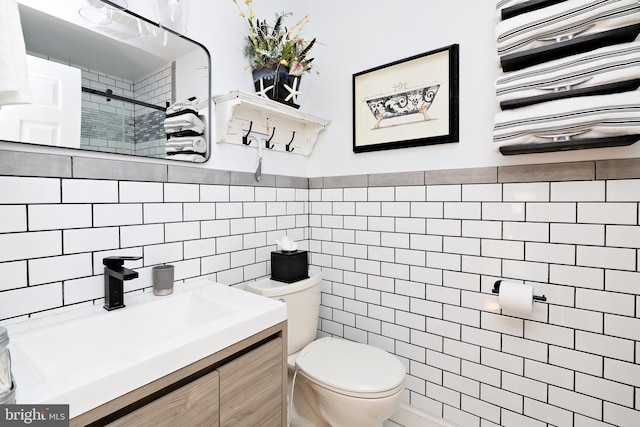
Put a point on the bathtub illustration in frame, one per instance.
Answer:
(407, 103)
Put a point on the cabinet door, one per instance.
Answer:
(251, 387)
(195, 404)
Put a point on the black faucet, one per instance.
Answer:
(114, 276)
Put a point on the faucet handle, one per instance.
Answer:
(118, 261)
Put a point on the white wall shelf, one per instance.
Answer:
(247, 119)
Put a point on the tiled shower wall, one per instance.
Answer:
(112, 125)
(62, 220)
(158, 89)
(107, 125)
(409, 261)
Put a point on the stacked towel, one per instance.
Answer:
(188, 106)
(187, 143)
(196, 158)
(573, 98)
(611, 64)
(572, 118)
(185, 131)
(14, 78)
(184, 122)
(566, 19)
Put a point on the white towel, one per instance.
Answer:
(187, 105)
(14, 78)
(571, 118)
(183, 122)
(187, 143)
(609, 64)
(572, 17)
(196, 158)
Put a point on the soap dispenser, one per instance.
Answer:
(7, 387)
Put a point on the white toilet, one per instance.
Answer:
(338, 383)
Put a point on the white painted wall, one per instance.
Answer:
(376, 32)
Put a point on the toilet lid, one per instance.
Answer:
(350, 366)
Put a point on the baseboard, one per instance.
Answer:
(411, 417)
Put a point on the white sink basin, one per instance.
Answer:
(90, 356)
(77, 345)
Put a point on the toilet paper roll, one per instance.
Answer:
(516, 299)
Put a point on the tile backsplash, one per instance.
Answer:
(408, 264)
(56, 231)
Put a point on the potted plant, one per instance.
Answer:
(278, 56)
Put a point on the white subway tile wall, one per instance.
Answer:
(408, 268)
(423, 283)
(57, 231)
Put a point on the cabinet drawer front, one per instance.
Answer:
(195, 404)
(251, 387)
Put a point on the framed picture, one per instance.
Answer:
(407, 103)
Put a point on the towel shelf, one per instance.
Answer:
(554, 94)
(528, 6)
(576, 144)
(518, 60)
(604, 89)
(247, 119)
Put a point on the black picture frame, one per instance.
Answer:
(407, 103)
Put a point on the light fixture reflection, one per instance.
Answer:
(173, 14)
(97, 12)
(152, 35)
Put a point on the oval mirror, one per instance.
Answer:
(106, 79)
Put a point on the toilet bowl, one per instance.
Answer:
(353, 384)
(335, 382)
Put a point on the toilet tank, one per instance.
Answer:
(303, 306)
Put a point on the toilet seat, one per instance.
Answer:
(350, 368)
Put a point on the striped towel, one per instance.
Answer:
(563, 21)
(609, 64)
(572, 118)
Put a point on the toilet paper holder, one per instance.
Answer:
(496, 290)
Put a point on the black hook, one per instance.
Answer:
(288, 147)
(266, 143)
(245, 138)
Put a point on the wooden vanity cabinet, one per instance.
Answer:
(243, 385)
(251, 388)
(195, 404)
